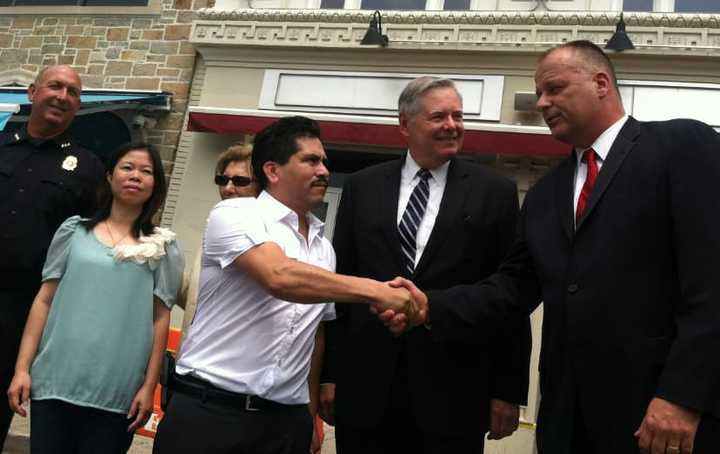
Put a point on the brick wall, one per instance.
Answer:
(148, 52)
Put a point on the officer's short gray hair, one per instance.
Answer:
(409, 101)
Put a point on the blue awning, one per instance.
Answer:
(92, 101)
(6, 111)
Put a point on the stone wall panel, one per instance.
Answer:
(118, 34)
(118, 68)
(152, 34)
(23, 22)
(144, 69)
(6, 40)
(142, 83)
(82, 42)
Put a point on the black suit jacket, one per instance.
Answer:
(451, 382)
(631, 296)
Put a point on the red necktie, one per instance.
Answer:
(589, 157)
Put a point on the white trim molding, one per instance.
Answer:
(538, 17)
(369, 93)
(652, 33)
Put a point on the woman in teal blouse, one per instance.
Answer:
(93, 344)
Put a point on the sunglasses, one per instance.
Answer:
(222, 180)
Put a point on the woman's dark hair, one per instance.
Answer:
(143, 224)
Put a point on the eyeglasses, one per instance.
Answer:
(222, 180)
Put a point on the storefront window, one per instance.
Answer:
(393, 4)
(678, 6)
(697, 6)
(638, 5)
(398, 5)
(332, 4)
(73, 2)
(457, 5)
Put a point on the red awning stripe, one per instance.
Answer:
(340, 132)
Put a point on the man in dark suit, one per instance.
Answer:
(620, 242)
(413, 393)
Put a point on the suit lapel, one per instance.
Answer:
(449, 212)
(388, 203)
(620, 149)
(564, 194)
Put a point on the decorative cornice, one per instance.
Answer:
(279, 31)
(526, 18)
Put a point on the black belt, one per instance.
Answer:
(207, 392)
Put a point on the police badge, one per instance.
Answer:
(70, 163)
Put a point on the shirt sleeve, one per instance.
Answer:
(329, 312)
(59, 250)
(169, 273)
(233, 228)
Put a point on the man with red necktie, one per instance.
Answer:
(622, 249)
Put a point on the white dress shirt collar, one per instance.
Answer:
(604, 141)
(277, 211)
(410, 170)
(602, 147)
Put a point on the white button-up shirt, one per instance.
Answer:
(436, 186)
(602, 147)
(242, 338)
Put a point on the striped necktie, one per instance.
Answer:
(411, 218)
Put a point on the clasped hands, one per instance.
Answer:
(402, 306)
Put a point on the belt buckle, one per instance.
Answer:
(248, 403)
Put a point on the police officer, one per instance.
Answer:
(45, 178)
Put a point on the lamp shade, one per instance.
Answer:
(374, 36)
(620, 41)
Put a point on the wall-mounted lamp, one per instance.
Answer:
(374, 36)
(620, 41)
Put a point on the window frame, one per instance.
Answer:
(671, 3)
(668, 6)
(659, 6)
(430, 5)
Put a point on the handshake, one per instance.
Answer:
(400, 306)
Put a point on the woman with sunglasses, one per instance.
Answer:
(233, 176)
(233, 173)
(93, 344)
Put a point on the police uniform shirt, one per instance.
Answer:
(42, 183)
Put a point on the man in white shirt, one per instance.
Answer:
(242, 373)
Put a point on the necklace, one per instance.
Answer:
(112, 237)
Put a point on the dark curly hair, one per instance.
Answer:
(278, 142)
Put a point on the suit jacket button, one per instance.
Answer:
(572, 288)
